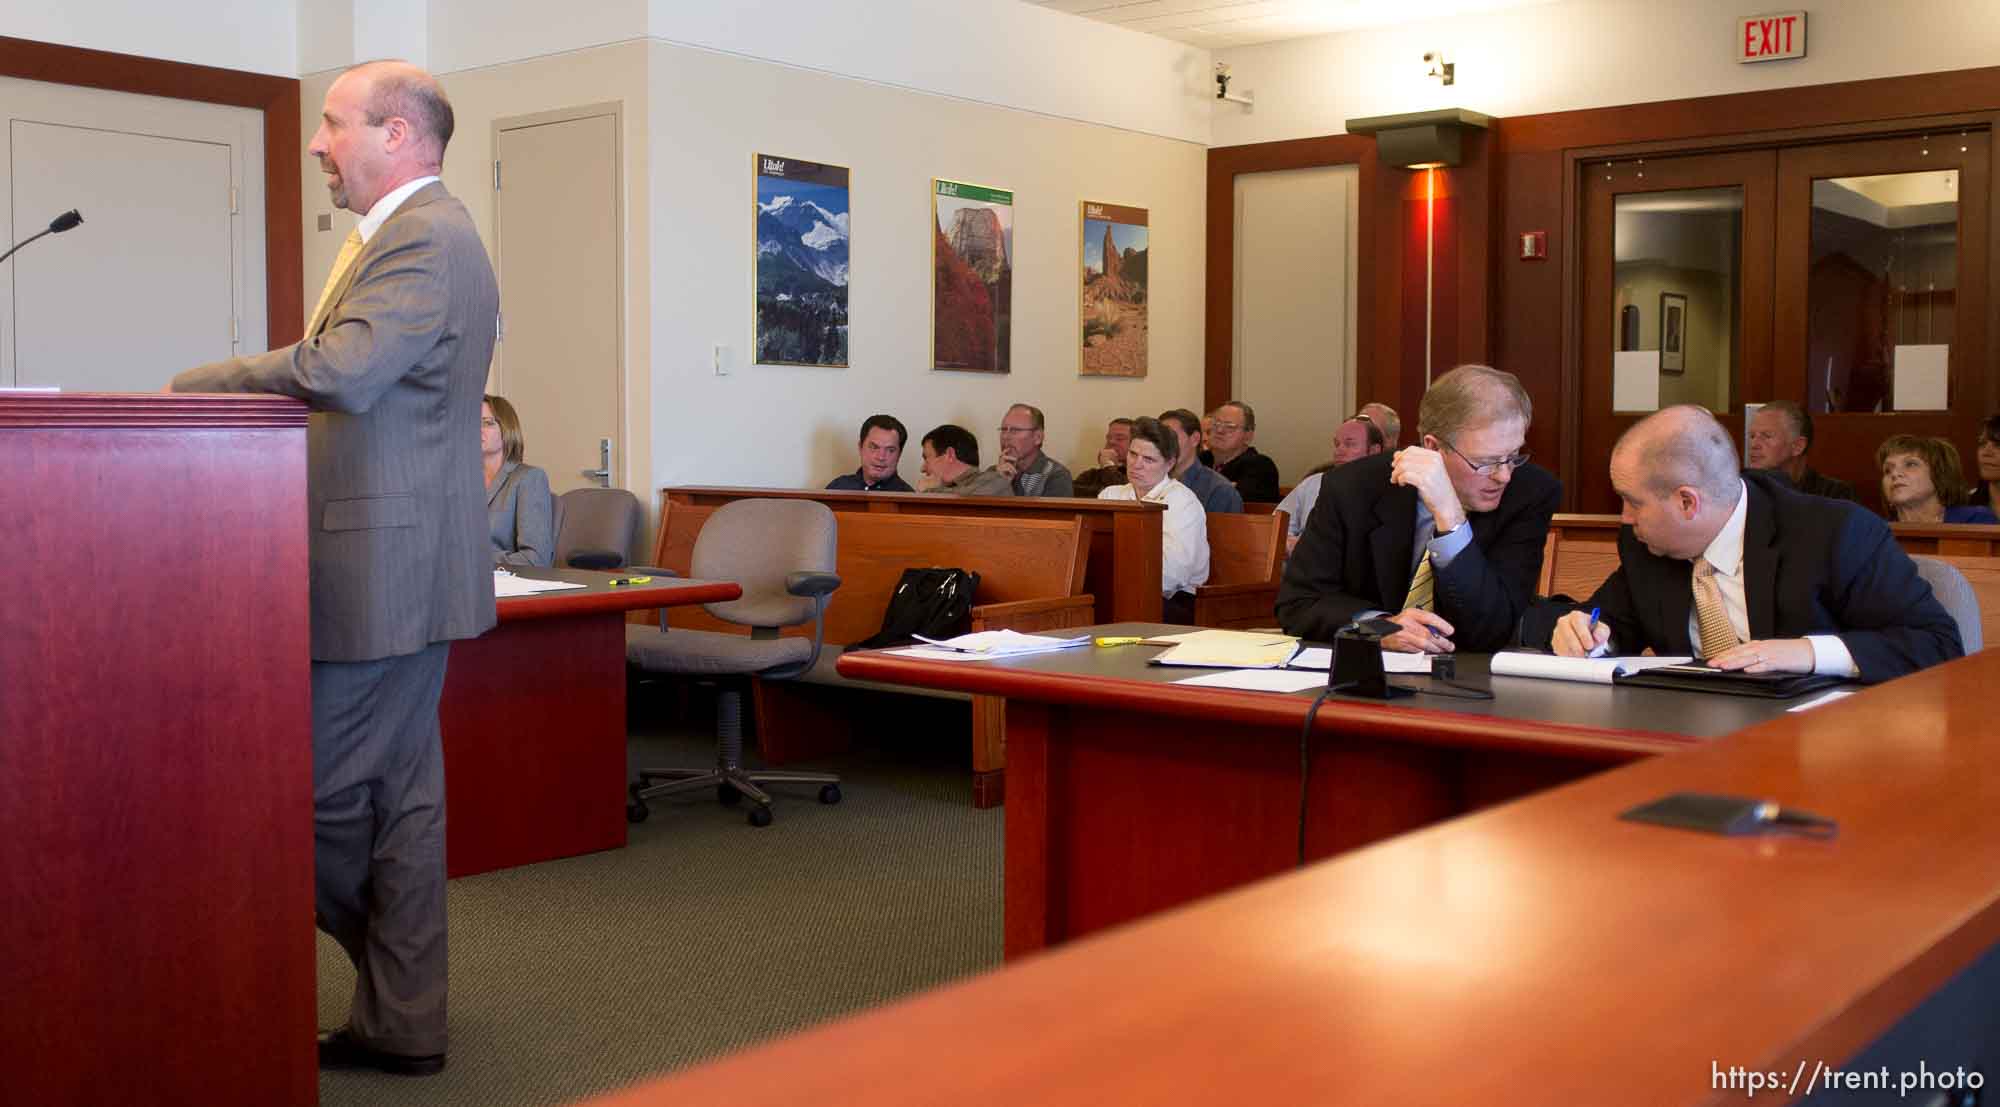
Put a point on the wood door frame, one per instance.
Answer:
(1574, 160)
(625, 470)
(276, 97)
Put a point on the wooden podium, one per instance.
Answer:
(156, 900)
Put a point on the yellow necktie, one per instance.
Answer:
(1423, 586)
(350, 247)
(1709, 615)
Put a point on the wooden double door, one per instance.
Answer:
(1849, 276)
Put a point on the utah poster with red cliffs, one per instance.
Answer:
(972, 276)
(1113, 304)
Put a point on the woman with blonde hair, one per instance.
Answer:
(520, 512)
(1923, 483)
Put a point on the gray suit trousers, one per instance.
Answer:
(378, 816)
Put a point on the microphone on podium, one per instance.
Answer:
(58, 225)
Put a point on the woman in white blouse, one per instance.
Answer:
(1149, 464)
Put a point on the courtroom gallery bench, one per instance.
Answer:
(1123, 571)
(1582, 550)
(1246, 559)
(1031, 574)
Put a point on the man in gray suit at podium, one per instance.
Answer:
(393, 365)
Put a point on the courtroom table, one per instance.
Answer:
(1544, 952)
(533, 716)
(1128, 794)
(1123, 572)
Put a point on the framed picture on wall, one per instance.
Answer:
(1673, 332)
(972, 276)
(801, 239)
(1112, 301)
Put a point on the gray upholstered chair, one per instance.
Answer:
(1957, 596)
(596, 528)
(781, 552)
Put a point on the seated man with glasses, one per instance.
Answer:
(1032, 472)
(1443, 537)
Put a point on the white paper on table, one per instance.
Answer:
(1591, 670)
(1320, 658)
(1920, 377)
(1258, 680)
(1816, 701)
(507, 584)
(934, 653)
(1004, 643)
(1635, 380)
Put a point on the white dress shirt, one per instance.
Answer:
(1725, 552)
(1184, 533)
(387, 205)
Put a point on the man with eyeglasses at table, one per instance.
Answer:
(1022, 462)
(1443, 537)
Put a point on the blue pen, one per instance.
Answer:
(1595, 649)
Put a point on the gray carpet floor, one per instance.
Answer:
(704, 935)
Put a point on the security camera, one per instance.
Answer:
(1222, 80)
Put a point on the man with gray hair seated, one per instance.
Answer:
(1444, 538)
(1022, 462)
(1745, 571)
(1385, 417)
(1778, 438)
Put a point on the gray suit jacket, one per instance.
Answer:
(520, 514)
(394, 377)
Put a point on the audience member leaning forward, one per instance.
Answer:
(1443, 537)
(951, 464)
(1746, 571)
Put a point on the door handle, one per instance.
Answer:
(601, 474)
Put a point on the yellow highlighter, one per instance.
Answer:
(1132, 641)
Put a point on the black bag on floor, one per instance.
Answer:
(936, 603)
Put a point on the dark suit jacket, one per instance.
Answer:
(1359, 546)
(1811, 565)
(520, 516)
(394, 375)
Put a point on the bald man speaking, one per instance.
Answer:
(393, 365)
(1746, 572)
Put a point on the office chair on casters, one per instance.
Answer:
(781, 552)
(1956, 594)
(596, 528)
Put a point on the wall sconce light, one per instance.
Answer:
(1436, 67)
(1420, 140)
(1222, 87)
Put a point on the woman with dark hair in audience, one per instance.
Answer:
(1149, 467)
(1922, 482)
(1988, 458)
(519, 510)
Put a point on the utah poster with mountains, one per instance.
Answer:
(1113, 300)
(802, 233)
(972, 276)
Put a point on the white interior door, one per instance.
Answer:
(167, 270)
(556, 229)
(1294, 310)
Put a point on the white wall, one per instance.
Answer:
(1585, 54)
(782, 425)
(254, 35)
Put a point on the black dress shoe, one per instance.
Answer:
(339, 1049)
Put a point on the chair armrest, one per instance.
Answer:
(811, 584)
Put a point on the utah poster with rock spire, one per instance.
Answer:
(802, 225)
(972, 276)
(1113, 304)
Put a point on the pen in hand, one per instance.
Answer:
(1600, 648)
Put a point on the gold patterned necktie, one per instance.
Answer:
(350, 247)
(1423, 586)
(1710, 617)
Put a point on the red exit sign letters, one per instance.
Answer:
(1771, 36)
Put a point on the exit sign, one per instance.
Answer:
(1771, 36)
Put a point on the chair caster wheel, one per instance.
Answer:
(760, 816)
(829, 793)
(636, 812)
(727, 795)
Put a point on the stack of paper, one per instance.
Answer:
(507, 584)
(1003, 643)
(1590, 670)
(1230, 649)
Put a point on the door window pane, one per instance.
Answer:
(1678, 282)
(1882, 291)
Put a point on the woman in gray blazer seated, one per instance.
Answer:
(519, 510)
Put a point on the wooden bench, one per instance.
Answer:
(1123, 572)
(1031, 576)
(1582, 550)
(1246, 557)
